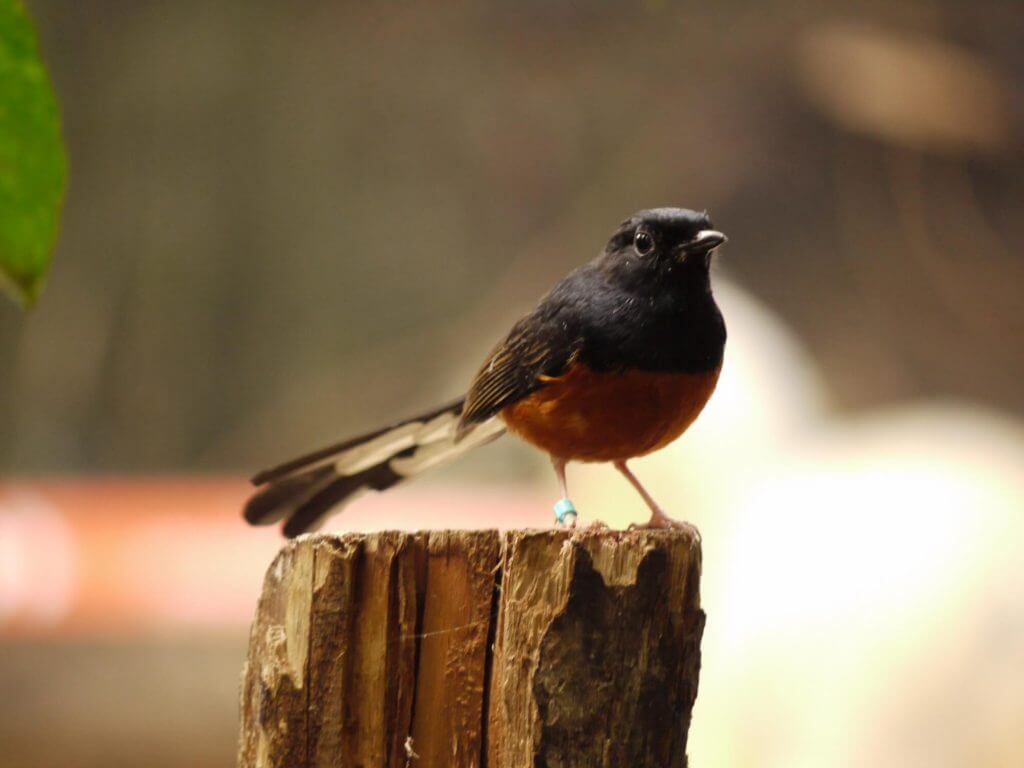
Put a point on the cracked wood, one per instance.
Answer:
(465, 649)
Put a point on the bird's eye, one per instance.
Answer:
(643, 243)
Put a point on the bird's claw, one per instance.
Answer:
(660, 521)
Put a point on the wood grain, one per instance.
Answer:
(462, 649)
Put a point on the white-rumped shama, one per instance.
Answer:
(615, 362)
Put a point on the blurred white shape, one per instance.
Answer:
(34, 591)
(914, 494)
(858, 571)
(905, 89)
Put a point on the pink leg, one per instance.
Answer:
(658, 517)
(569, 517)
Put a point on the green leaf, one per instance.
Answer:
(32, 162)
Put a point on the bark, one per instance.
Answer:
(457, 649)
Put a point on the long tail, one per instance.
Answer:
(305, 490)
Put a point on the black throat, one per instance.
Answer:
(663, 320)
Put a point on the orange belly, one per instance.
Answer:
(588, 416)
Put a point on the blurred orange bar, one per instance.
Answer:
(118, 556)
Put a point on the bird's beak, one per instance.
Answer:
(704, 241)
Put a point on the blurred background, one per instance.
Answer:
(290, 222)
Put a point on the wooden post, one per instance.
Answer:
(462, 649)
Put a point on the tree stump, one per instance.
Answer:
(462, 649)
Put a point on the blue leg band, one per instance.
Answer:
(564, 508)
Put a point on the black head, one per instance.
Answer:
(663, 244)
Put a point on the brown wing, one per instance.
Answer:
(532, 352)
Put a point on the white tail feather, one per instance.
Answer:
(305, 490)
(377, 450)
(442, 450)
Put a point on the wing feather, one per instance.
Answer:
(533, 351)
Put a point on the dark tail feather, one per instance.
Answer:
(309, 459)
(305, 490)
(270, 504)
(310, 512)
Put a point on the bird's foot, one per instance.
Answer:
(660, 521)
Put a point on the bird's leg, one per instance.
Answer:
(565, 512)
(658, 517)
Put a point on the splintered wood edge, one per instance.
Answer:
(541, 571)
(462, 689)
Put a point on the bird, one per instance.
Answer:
(616, 361)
